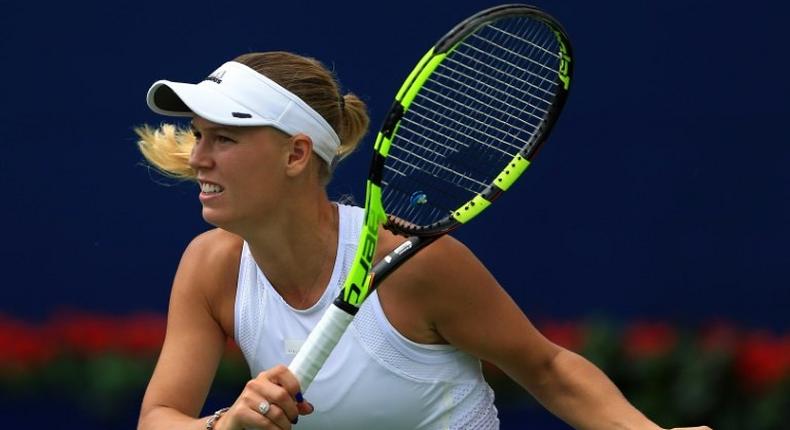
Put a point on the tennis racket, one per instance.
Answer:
(464, 126)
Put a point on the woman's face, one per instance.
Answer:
(241, 171)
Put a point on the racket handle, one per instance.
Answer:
(319, 345)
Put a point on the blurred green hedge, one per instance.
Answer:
(715, 374)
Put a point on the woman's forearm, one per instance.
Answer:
(579, 393)
(165, 418)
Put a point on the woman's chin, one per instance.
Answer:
(215, 217)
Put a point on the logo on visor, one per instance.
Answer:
(216, 76)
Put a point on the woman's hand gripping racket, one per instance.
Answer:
(464, 126)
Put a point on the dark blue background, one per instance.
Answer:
(663, 193)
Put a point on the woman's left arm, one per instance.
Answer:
(470, 310)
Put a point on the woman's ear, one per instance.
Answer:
(300, 151)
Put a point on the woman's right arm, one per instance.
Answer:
(195, 339)
(199, 322)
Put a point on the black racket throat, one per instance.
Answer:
(401, 254)
(389, 264)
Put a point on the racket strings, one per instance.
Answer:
(484, 104)
(484, 131)
(482, 114)
(428, 164)
(422, 134)
(539, 64)
(502, 82)
(526, 41)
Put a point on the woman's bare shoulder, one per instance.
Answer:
(431, 280)
(212, 256)
(215, 243)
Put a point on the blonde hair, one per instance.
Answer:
(167, 148)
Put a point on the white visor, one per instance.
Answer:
(237, 95)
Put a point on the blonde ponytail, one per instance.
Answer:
(167, 149)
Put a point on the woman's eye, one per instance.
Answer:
(224, 139)
(197, 135)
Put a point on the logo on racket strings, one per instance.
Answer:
(418, 198)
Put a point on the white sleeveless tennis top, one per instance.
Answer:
(375, 378)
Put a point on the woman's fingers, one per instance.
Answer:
(282, 376)
(274, 419)
(305, 408)
(269, 401)
(278, 386)
(273, 414)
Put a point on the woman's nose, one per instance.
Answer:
(200, 157)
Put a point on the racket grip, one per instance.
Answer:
(319, 345)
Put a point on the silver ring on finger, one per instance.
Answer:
(263, 407)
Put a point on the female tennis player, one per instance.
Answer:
(267, 130)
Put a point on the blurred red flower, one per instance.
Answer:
(565, 334)
(93, 334)
(763, 359)
(649, 340)
(23, 344)
(142, 333)
(718, 336)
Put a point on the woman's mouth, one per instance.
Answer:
(210, 188)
